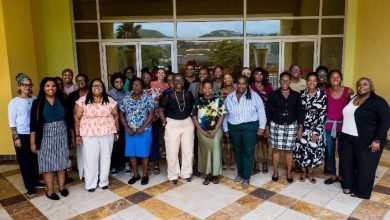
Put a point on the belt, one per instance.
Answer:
(333, 132)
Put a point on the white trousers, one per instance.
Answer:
(97, 159)
(179, 133)
(80, 162)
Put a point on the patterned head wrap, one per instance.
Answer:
(21, 77)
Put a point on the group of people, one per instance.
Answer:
(213, 121)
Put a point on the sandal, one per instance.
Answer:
(312, 179)
(207, 180)
(347, 191)
(265, 170)
(156, 170)
(302, 178)
(215, 179)
(275, 178)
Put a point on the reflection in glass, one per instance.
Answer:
(88, 59)
(209, 29)
(333, 7)
(156, 55)
(282, 27)
(214, 8)
(137, 30)
(300, 53)
(332, 52)
(332, 26)
(135, 9)
(118, 57)
(227, 53)
(86, 30)
(84, 10)
(282, 8)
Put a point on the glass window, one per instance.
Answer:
(333, 7)
(301, 53)
(88, 59)
(282, 8)
(135, 9)
(227, 53)
(84, 10)
(86, 30)
(156, 55)
(207, 8)
(282, 27)
(264, 55)
(118, 57)
(332, 26)
(332, 52)
(137, 30)
(209, 29)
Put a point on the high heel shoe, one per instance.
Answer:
(275, 178)
(289, 179)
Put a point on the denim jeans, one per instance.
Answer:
(330, 149)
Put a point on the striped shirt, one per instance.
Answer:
(245, 110)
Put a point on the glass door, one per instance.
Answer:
(119, 55)
(301, 52)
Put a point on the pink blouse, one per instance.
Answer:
(97, 119)
(335, 109)
(154, 84)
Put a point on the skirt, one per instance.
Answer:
(138, 145)
(53, 153)
(283, 137)
(209, 154)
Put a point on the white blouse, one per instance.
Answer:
(349, 124)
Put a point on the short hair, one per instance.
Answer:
(128, 68)
(312, 74)
(116, 76)
(83, 75)
(332, 72)
(263, 72)
(293, 66)
(285, 74)
(207, 81)
(324, 68)
(67, 70)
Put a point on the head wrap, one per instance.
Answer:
(21, 77)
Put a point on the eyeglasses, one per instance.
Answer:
(28, 85)
(97, 86)
(81, 81)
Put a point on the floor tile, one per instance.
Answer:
(306, 208)
(329, 215)
(283, 200)
(242, 206)
(125, 191)
(370, 210)
(29, 214)
(160, 208)
(136, 213)
(7, 189)
(290, 214)
(275, 186)
(138, 197)
(382, 189)
(5, 168)
(343, 203)
(19, 207)
(298, 189)
(381, 198)
(12, 200)
(262, 193)
(321, 194)
(4, 214)
(98, 213)
(266, 210)
(118, 205)
(17, 182)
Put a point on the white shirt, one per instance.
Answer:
(349, 124)
(19, 114)
(245, 110)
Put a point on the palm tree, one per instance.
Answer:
(128, 30)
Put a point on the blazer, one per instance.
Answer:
(372, 120)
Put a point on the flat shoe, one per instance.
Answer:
(347, 191)
(64, 192)
(104, 187)
(215, 180)
(330, 181)
(290, 179)
(144, 180)
(134, 179)
(53, 196)
(91, 190)
(174, 182)
(207, 180)
(237, 179)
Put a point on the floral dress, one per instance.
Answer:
(136, 111)
(307, 153)
(208, 112)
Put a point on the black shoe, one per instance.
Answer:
(144, 180)
(53, 196)
(31, 193)
(134, 179)
(104, 187)
(290, 180)
(174, 182)
(64, 192)
(330, 181)
(188, 179)
(91, 190)
(275, 178)
(40, 185)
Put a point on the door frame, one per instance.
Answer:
(138, 45)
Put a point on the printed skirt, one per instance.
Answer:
(53, 153)
(283, 137)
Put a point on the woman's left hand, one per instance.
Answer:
(139, 130)
(375, 145)
(116, 137)
(212, 134)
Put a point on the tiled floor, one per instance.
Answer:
(161, 200)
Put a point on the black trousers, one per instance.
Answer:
(118, 158)
(28, 163)
(357, 165)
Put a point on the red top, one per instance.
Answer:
(335, 108)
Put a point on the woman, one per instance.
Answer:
(364, 133)
(96, 127)
(196, 87)
(19, 109)
(227, 155)
(248, 73)
(160, 83)
(263, 88)
(129, 74)
(337, 97)
(310, 149)
(297, 84)
(49, 136)
(189, 75)
(82, 84)
(322, 72)
(136, 116)
(284, 124)
(171, 85)
(244, 120)
(218, 77)
(118, 152)
(208, 117)
(154, 96)
(67, 77)
(175, 111)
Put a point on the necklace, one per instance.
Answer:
(181, 105)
